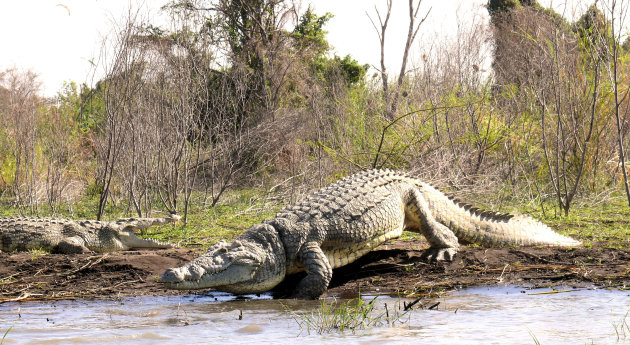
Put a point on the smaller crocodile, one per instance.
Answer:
(77, 236)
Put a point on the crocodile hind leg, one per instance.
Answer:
(71, 245)
(444, 243)
(318, 269)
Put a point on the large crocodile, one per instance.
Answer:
(70, 236)
(338, 224)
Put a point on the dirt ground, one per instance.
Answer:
(393, 268)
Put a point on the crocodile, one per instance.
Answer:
(340, 223)
(77, 236)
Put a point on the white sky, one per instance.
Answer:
(55, 42)
(58, 38)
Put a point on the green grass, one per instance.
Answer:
(592, 221)
(531, 334)
(36, 253)
(9, 279)
(606, 224)
(84, 208)
(228, 219)
(622, 329)
(236, 212)
(351, 315)
(5, 335)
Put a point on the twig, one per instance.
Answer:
(15, 292)
(114, 286)
(88, 265)
(4, 280)
(500, 279)
(408, 306)
(20, 298)
(533, 256)
(554, 291)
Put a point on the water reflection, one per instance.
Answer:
(489, 315)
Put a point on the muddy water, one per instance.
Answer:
(495, 315)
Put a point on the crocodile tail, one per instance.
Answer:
(490, 228)
(518, 230)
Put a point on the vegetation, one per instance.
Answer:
(36, 253)
(5, 335)
(606, 223)
(235, 109)
(622, 329)
(352, 315)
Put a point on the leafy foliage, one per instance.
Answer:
(239, 94)
(309, 32)
(502, 5)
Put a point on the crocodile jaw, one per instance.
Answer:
(253, 263)
(129, 240)
(237, 267)
(228, 279)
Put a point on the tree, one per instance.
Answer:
(18, 117)
(391, 97)
(617, 12)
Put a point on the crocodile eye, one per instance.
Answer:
(223, 250)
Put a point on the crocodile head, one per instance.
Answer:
(126, 239)
(121, 234)
(253, 263)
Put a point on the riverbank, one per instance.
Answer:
(394, 268)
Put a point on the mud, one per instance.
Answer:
(396, 268)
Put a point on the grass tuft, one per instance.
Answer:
(37, 253)
(622, 329)
(352, 315)
(5, 335)
(536, 341)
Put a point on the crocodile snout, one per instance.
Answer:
(172, 275)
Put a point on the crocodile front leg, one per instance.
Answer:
(318, 269)
(444, 243)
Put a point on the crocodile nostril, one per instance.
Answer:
(172, 275)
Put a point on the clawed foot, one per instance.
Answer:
(439, 254)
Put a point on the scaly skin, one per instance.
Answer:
(340, 223)
(70, 236)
